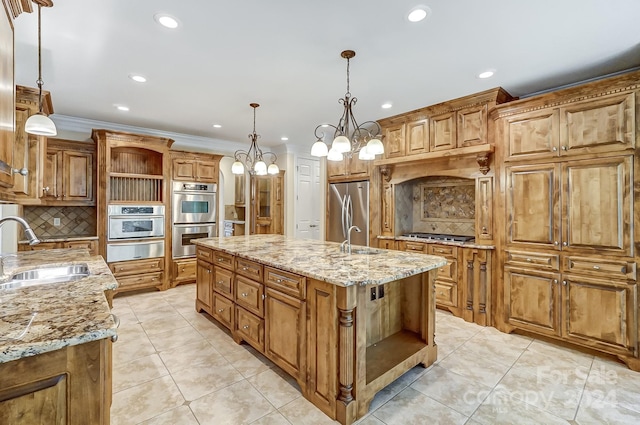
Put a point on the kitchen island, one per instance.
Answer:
(55, 342)
(343, 325)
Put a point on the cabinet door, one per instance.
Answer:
(223, 310)
(184, 271)
(442, 132)
(476, 285)
(250, 328)
(472, 126)
(249, 294)
(223, 282)
(51, 176)
(239, 189)
(387, 219)
(484, 208)
(602, 125)
(184, 169)
(206, 172)
(77, 176)
(532, 300)
(597, 205)
(532, 135)
(91, 245)
(336, 168)
(285, 330)
(394, 141)
(357, 167)
(386, 243)
(204, 278)
(417, 137)
(40, 402)
(600, 313)
(533, 207)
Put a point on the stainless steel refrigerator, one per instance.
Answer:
(348, 206)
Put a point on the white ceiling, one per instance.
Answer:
(285, 55)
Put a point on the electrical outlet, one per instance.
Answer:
(381, 291)
(56, 221)
(374, 293)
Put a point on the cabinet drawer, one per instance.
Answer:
(414, 246)
(204, 254)
(89, 244)
(223, 282)
(249, 269)
(443, 250)
(223, 310)
(223, 259)
(137, 267)
(446, 294)
(250, 295)
(184, 270)
(286, 282)
(539, 260)
(616, 269)
(448, 273)
(147, 280)
(250, 328)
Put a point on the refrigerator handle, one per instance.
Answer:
(350, 213)
(344, 216)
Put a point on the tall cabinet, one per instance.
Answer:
(267, 204)
(134, 170)
(569, 259)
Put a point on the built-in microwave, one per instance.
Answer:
(134, 222)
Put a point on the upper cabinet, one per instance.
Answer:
(67, 177)
(349, 168)
(603, 125)
(195, 167)
(7, 104)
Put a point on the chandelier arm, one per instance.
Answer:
(322, 134)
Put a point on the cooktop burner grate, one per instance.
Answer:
(440, 237)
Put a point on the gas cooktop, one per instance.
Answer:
(440, 237)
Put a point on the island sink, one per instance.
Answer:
(46, 275)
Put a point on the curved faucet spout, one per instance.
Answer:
(28, 232)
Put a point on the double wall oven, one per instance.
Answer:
(135, 232)
(193, 215)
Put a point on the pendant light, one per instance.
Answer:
(40, 124)
(253, 159)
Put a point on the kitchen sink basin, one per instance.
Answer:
(46, 275)
(365, 251)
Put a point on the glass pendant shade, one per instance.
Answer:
(365, 154)
(41, 125)
(237, 168)
(334, 155)
(260, 168)
(341, 144)
(273, 169)
(375, 147)
(319, 149)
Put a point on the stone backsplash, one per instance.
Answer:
(74, 221)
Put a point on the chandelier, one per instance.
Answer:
(253, 159)
(39, 123)
(349, 137)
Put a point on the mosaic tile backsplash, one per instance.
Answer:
(74, 221)
(436, 205)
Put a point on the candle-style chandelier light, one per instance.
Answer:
(349, 137)
(253, 159)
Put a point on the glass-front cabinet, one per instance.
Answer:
(267, 204)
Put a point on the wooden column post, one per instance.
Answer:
(346, 406)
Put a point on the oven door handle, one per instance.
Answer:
(136, 217)
(183, 225)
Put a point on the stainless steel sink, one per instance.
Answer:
(365, 251)
(46, 275)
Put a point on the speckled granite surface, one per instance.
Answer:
(324, 261)
(61, 239)
(63, 314)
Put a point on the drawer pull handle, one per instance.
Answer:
(245, 327)
(220, 282)
(244, 294)
(264, 296)
(220, 260)
(596, 267)
(183, 270)
(529, 260)
(220, 310)
(278, 280)
(208, 270)
(244, 269)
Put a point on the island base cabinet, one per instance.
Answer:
(70, 386)
(204, 289)
(249, 328)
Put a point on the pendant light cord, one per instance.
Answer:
(39, 82)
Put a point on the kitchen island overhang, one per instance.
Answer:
(343, 325)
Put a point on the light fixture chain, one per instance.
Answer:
(348, 94)
(39, 82)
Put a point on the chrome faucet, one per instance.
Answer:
(348, 241)
(28, 232)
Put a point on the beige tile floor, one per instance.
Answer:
(174, 366)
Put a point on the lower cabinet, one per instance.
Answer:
(223, 310)
(249, 328)
(90, 244)
(138, 274)
(70, 386)
(183, 271)
(596, 312)
(204, 286)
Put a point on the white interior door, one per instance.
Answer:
(308, 199)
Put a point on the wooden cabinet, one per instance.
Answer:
(394, 138)
(267, 204)
(183, 271)
(239, 190)
(442, 132)
(410, 138)
(195, 166)
(477, 277)
(387, 220)
(484, 209)
(349, 168)
(386, 243)
(68, 173)
(448, 289)
(204, 286)
(70, 386)
(90, 244)
(138, 274)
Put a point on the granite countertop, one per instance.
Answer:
(61, 239)
(324, 261)
(61, 314)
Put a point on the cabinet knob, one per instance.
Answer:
(245, 295)
(278, 280)
(264, 296)
(564, 148)
(220, 282)
(554, 149)
(564, 283)
(565, 244)
(484, 229)
(208, 270)
(244, 269)
(555, 281)
(245, 327)
(556, 243)
(183, 270)
(529, 260)
(45, 189)
(220, 310)
(596, 267)
(219, 259)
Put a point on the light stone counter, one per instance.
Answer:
(67, 313)
(323, 260)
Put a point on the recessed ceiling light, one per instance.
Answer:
(486, 74)
(166, 21)
(284, 138)
(122, 108)
(217, 126)
(138, 78)
(387, 105)
(419, 13)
